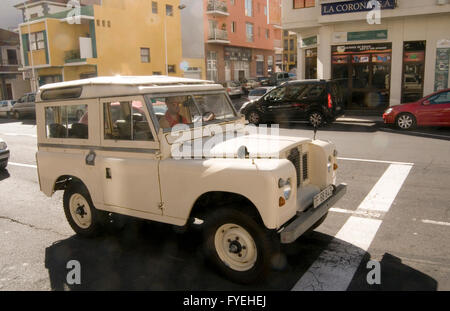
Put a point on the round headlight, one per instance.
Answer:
(281, 183)
(3, 145)
(388, 111)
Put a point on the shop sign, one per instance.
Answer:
(309, 41)
(367, 35)
(240, 54)
(361, 48)
(442, 69)
(354, 6)
(415, 57)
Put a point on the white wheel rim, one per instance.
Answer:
(253, 117)
(405, 121)
(235, 247)
(315, 119)
(80, 211)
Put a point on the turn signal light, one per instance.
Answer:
(335, 166)
(281, 201)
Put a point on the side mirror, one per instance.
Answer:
(426, 103)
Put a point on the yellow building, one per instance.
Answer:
(109, 37)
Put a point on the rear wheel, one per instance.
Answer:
(80, 212)
(239, 247)
(316, 119)
(405, 121)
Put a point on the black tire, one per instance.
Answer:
(3, 166)
(97, 217)
(254, 117)
(263, 241)
(316, 118)
(317, 224)
(405, 121)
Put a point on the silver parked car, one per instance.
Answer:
(234, 88)
(25, 106)
(6, 107)
(258, 92)
(4, 154)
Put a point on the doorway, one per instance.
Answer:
(413, 71)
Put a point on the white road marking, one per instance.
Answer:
(336, 265)
(419, 133)
(441, 223)
(21, 164)
(357, 213)
(15, 134)
(376, 161)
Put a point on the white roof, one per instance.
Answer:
(127, 80)
(132, 85)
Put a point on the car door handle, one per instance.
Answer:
(108, 173)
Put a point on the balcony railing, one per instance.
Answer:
(217, 7)
(217, 35)
(72, 56)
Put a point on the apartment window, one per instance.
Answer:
(285, 33)
(145, 55)
(169, 10)
(291, 44)
(249, 32)
(233, 26)
(171, 68)
(12, 57)
(248, 7)
(37, 41)
(154, 7)
(286, 47)
(267, 33)
(265, 10)
(232, 2)
(300, 4)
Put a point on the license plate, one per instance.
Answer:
(323, 196)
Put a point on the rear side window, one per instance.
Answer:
(126, 120)
(67, 122)
(314, 90)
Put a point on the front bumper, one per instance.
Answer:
(4, 156)
(305, 220)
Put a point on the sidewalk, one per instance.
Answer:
(360, 119)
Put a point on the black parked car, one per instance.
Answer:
(316, 101)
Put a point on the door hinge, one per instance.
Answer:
(161, 205)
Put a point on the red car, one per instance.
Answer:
(432, 110)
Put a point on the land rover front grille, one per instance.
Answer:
(305, 166)
(300, 162)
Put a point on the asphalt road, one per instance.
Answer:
(396, 212)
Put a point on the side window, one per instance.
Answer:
(442, 98)
(314, 90)
(31, 98)
(67, 122)
(295, 91)
(276, 94)
(126, 120)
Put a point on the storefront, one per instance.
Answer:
(398, 55)
(363, 71)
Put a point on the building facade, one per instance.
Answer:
(100, 38)
(12, 84)
(383, 52)
(241, 38)
(289, 50)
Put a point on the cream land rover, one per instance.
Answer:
(174, 150)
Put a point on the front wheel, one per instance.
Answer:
(254, 117)
(240, 248)
(80, 212)
(405, 121)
